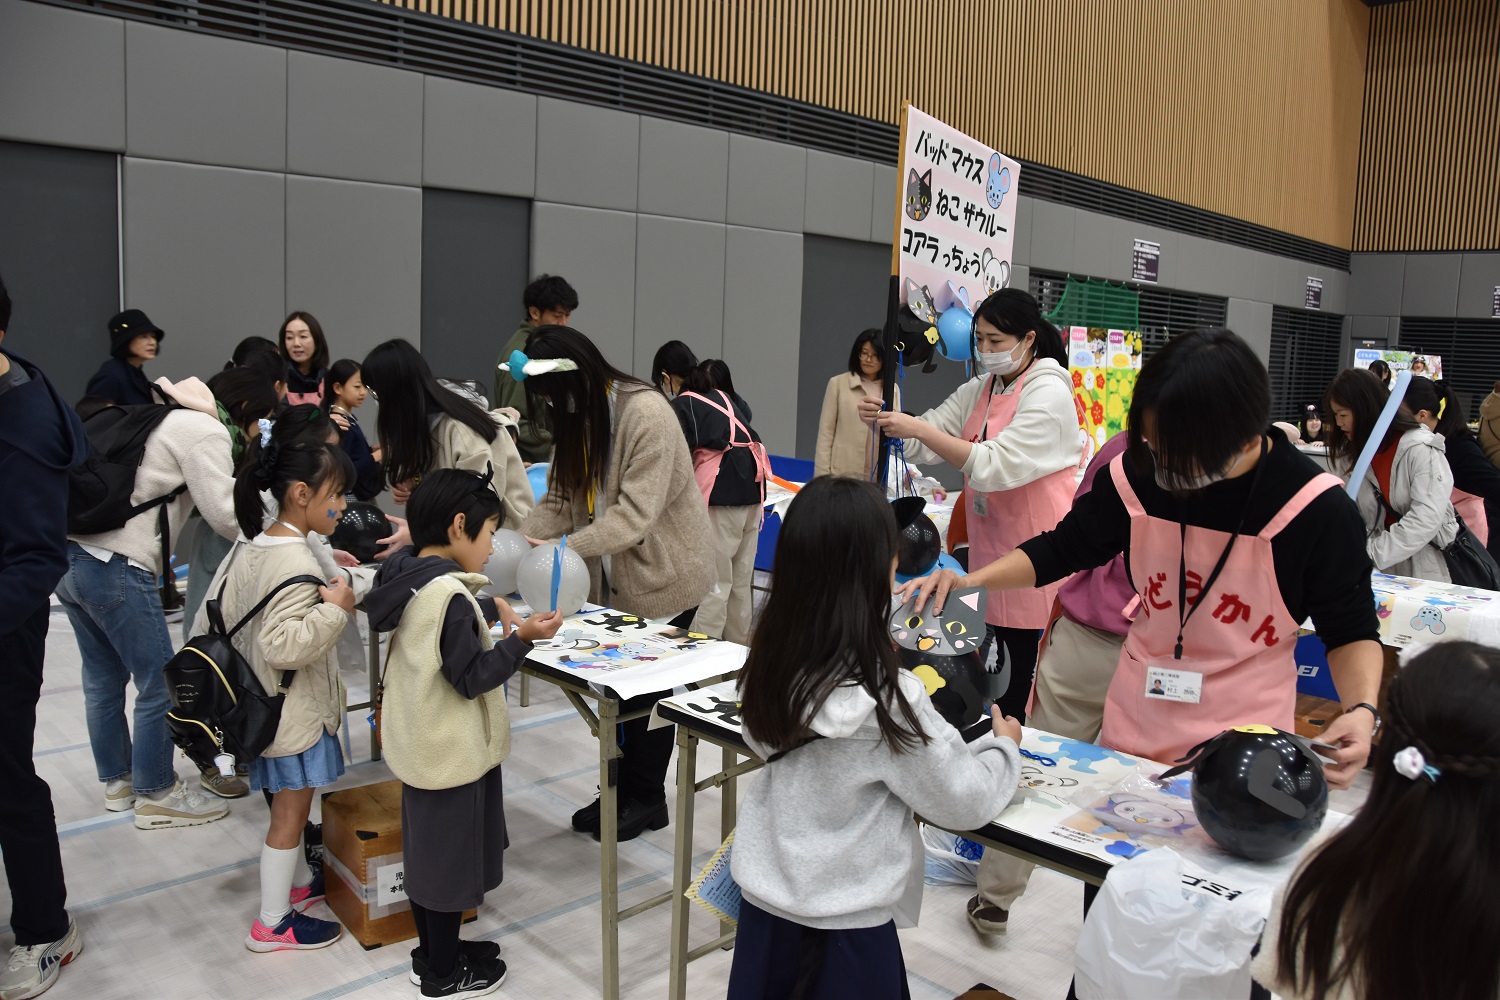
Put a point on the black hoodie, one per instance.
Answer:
(40, 439)
(468, 666)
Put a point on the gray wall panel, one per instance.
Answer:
(204, 257)
(839, 193)
(1021, 246)
(63, 275)
(1430, 286)
(1051, 236)
(354, 260)
(595, 250)
(1375, 281)
(679, 287)
(1252, 321)
(1102, 247)
(883, 212)
(476, 251)
(353, 120)
(767, 184)
(1476, 286)
(586, 155)
(478, 138)
(201, 99)
(762, 317)
(1371, 328)
(684, 170)
(62, 74)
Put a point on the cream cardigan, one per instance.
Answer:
(458, 447)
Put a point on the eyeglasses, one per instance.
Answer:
(868, 356)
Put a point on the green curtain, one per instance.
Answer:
(1092, 302)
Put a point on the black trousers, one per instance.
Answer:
(643, 769)
(28, 828)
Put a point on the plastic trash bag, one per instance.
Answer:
(950, 859)
(1158, 932)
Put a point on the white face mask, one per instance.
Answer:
(1202, 482)
(1001, 363)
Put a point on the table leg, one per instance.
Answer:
(728, 807)
(682, 860)
(609, 845)
(374, 688)
(525, 690)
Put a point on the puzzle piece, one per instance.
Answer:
(1084, 755)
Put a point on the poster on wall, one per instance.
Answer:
(1103, 364)
(1427, 365)
(1145, 262)
(1314, 297)
(955, 218)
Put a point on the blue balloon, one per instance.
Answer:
(538, 476)
(945, 561)
(955, 327)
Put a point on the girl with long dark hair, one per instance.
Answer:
(424, 426)
(621, 488)
(1405, 495)
(847, 732)
(1394, 906)
(1476, 483)
(1013, 431)
(673, 362)
(305, 351)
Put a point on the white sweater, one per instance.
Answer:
(186, 447)
(1041, 439)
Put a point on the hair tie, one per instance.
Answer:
(1442, 405)
(488, 477)
(265, 431)
(520, 366)
(1410, 763)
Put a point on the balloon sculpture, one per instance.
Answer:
(361, 529)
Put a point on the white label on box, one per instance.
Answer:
(390, 884)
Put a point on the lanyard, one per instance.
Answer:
(1184, 611)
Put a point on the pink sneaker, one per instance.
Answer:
(305, 896)
(295, 933)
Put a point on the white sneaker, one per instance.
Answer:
(32, 970)
(182, 806)
(119, 796)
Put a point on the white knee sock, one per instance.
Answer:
(276, 868)
(302, 875)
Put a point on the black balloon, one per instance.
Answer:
(360, 529)
(960, 698)
(919, 544)
(1258, 793)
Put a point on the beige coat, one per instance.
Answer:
(654, 525)
(296, 632)
(846, 444)
(434, 737)
(458, 447)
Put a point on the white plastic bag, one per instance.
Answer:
(950, 859)
(1158, 933)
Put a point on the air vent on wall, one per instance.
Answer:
(1467, 347)
(1307, 350)
(381, 33)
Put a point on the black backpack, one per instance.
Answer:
(218, 704)
(100, 486)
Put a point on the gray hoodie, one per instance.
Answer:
(1421, 492)
(824, 836)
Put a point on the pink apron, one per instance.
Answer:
(1012, 516)
(1471, 509)
(1241, 640)
(706, 461)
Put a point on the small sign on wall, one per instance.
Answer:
(1314, 297)
(1145, 262)
(1495, 304)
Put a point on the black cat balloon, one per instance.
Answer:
(919, 544)
(360, 530)
(943, 652)
(1257, 792)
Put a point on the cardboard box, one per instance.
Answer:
(362, 863)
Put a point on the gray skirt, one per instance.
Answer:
(453, 843)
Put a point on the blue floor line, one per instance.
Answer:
(67, 749)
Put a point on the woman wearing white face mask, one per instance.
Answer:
(1013, 431)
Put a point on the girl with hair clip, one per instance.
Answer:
(423, 426)
(1013, 431)
(845, 731)
(293, 621)
(621, 487)
(1405, 497)
(1397, 905)
(1476, 483)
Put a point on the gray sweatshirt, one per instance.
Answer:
(824, 836)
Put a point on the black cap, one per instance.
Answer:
(126, 326)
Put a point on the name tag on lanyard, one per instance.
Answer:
(1166, 684)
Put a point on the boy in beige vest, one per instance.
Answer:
(445, 728)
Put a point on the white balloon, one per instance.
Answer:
(534, 576)
(508, 548)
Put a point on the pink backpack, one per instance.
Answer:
(706, 461)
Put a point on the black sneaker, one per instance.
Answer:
(478, 951)
(636, 817)
(586, 820)
(469, 979)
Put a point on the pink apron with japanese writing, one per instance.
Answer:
(1012, 516)
(706, 461)
(1241, 640)
(1471, 509)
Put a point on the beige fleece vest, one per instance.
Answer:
(434, 737)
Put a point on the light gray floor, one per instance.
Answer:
(164, 914)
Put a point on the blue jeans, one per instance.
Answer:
(116, 613)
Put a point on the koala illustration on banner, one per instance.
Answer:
(996, 271)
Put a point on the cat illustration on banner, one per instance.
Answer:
(918, 200)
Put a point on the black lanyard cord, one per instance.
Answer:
(1184, 610)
